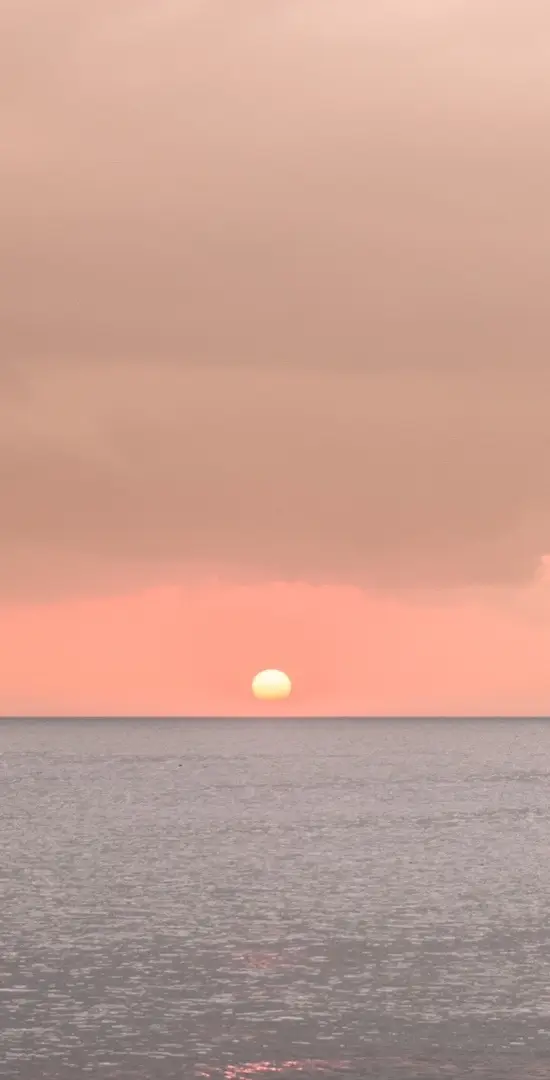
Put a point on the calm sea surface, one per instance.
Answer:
(235, 899)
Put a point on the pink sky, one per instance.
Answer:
(275, 371)
(192, 649)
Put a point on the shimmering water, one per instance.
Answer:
(234, 899)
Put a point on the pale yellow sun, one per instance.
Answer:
(271, 685)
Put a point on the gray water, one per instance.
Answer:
(235, 899)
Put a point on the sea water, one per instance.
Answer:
(228, 899)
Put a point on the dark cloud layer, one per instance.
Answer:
(273, 289)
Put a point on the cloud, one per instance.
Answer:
(249, 188)
(382, 480)
(273, 290)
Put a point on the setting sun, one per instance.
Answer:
(271, 685)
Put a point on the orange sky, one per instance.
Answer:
(193, 650)
(274, 284)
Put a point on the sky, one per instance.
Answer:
(275, 368)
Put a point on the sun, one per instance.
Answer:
(271, 685)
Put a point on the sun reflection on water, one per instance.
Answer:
(251, 1069)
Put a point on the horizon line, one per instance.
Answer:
(190, 717)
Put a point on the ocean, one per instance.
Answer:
(234, 899)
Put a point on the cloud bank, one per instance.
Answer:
(273, 292)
